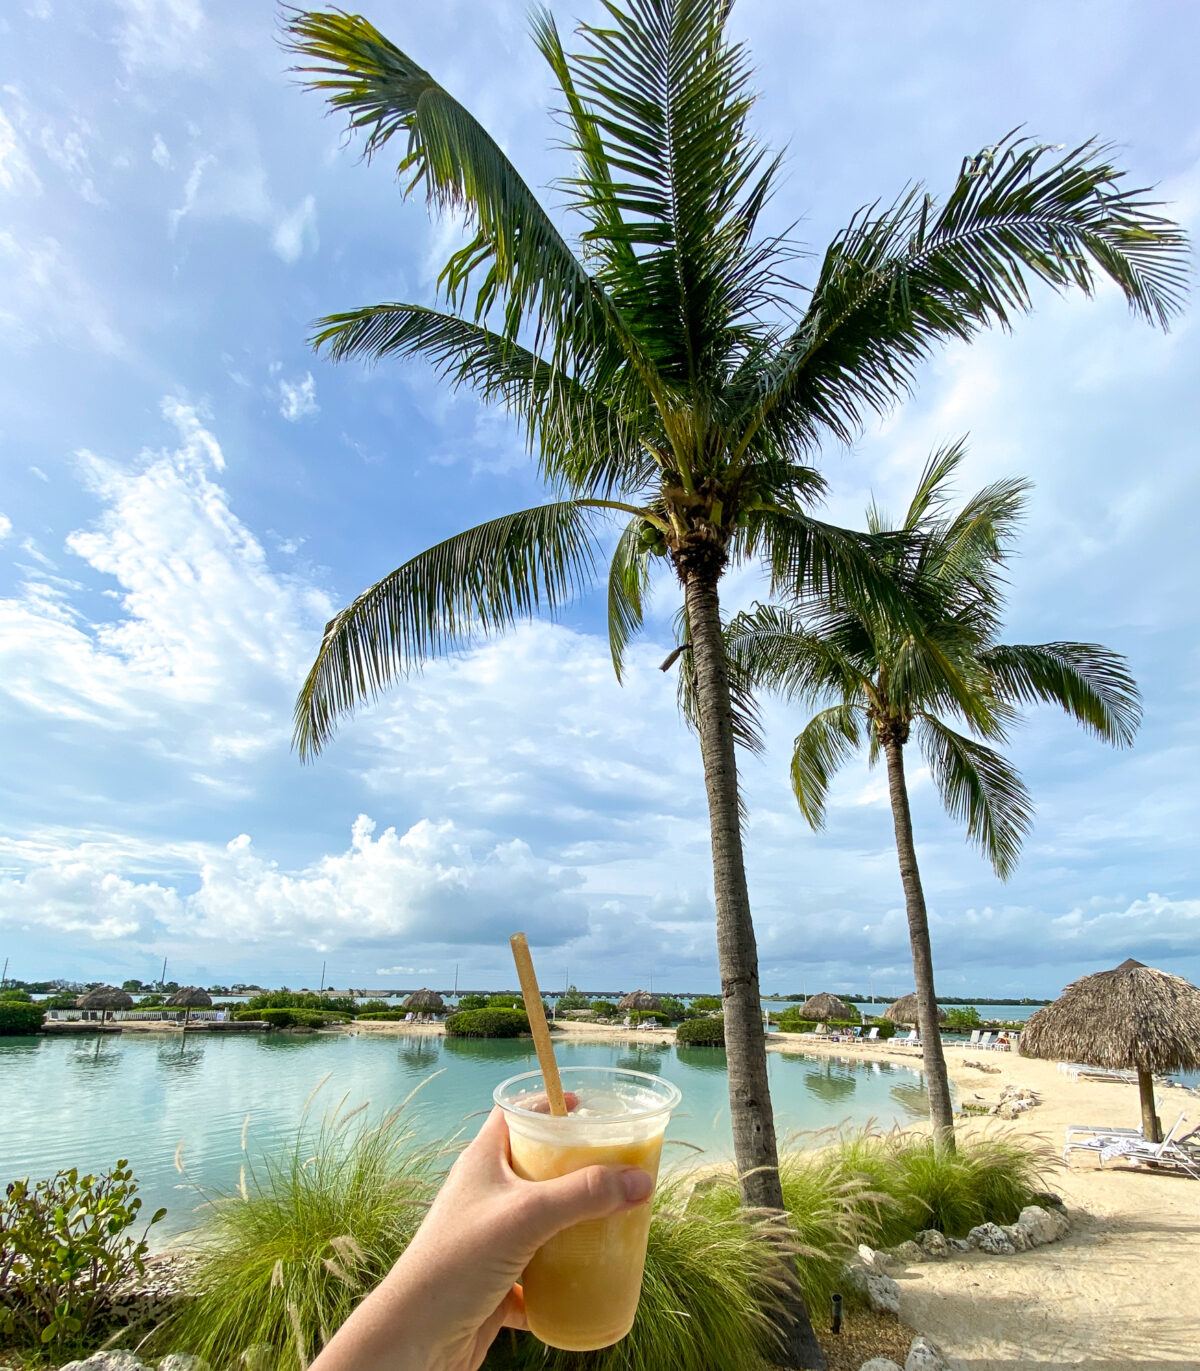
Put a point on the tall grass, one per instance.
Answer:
(282, 1261)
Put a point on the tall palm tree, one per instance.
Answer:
(665, 369)
(881, 678)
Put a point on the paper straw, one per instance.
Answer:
(537, 1024)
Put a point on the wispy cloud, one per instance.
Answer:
(298, 399)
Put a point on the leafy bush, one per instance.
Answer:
(488, 1023)
(605, 1008)
(472, 1002)
(17, 1017)
(391, 1013)
(572, 999)
(673, 1007)
(301, 999)
(506, 1000)
(708, 1032)
(63, 999)
(706, 1297)
(292, 1018)
(362, 1007)
(17, 994)
(654, 1016)
(707, 1004)
(65, 1250)
(962, 1018)
(791, 1022)
(282, 1262)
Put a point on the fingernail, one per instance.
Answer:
(638, 1185)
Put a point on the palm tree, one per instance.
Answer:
(665, 369)
(880, 678)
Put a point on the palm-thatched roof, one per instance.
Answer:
(1132, 1016)
(190, 997)
(105, 997)
(425, 1002)
(639, 999)
(825, 1006)
(904, 1010)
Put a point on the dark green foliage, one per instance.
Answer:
(391, 1014)
(605, 1008)
(301, 999)
(488, 1023)
(706, 1004)
(65, 1249)
(791, 1022)
(673, 1007)
(962, 1019)
(371, 1007)
(572, 999)
(14, 994)
(292, 1018)
(64, 999)
(651, 1016)
(473, 1002)
(18, 1017)
(709, 1031)
(508, 999)
(887, 1029)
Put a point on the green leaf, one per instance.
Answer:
(1091, 683)
(825, 742)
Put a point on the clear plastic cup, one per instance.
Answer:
(582, 1287)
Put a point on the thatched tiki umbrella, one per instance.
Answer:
(825, 1006)
(639, 999)
(425, 1002)
(1132, 1016)
(904, 1010)
(104, 998)
(189, 998)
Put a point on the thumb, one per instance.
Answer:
(593, 1193)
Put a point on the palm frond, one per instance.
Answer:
(981, 788)
(933, 489)
(746, 715)
(770, 647)
(581, 436)
(825, 742)
(1092, 684)
(895, 283)
(473, 584)
(517, 256)
(628, 582)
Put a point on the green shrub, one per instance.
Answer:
(887, 1029)
(283, 1261)
(605, 1008)
(673, 1007)
(707, 1004)
(301, 999)
(391, 1014)
(65, 1251)
(706, 1297)
(572, 999)
(654, 1016)
(702, 1032)
(362, 1007)
(472, 1002)
(962, 1019)
(292, 1018)
(17, 1017)
(63, 999)
(488, 1023)
(791, 1022)
(506, 1000)
(16, 994)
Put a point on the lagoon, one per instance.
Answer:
(86, 1101)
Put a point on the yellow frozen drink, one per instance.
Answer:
(582, 1287)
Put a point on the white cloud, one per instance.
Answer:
(48, 299)
(162, 35)
(161, 154)
(298, 399)
(5, 526)
(16, 169)
(296, 231)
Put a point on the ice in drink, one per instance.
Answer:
(582, 1287)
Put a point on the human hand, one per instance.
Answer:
(455, 1287)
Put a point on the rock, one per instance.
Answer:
(958, 1244)
(183, 1361)
(924, 1355)
(108, 1361)
(881, 1364)
(1040, 1226)
(907, 1252)
(882, 1293)
(870, 1257)
(933, 1243)
(991, 1238)
(1017, 1236)
(982, 1066)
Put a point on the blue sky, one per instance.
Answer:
(188, 492)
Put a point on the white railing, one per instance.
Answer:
(163, 1014)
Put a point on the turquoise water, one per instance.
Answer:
(142, 1097)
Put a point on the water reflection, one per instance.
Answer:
(102, 1058)
(645, 1057)
(421, 1054)
(708, 1059)
(180, 1058)
(912, 1099)
(489, 1049)
(830, 1084)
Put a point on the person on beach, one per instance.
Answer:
(457, 1284)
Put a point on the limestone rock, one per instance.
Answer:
(108, 1361)
(924, 1355)
(1041, 1225)
(991, 1238)
(958, 1244)
(1015, 1100)
(882, 1293)
(869, 1256)
(881, 1364)
(908, 1252)
(933, 1243)
(1017, 1236)
(183, 1361)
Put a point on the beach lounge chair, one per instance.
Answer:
(1135, 1149)
(973, 1041)
(985, 1042)
(910, 1040)
(872, 1034)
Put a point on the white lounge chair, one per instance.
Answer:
(912, 1040)
(872, 1034)
(1135, 1149)
(985, 1041)
(973, 1040)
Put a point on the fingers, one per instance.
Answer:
(593, 1193)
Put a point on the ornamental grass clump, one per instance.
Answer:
(282, 1260)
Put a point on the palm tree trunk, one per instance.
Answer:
(1151, 1128)
(754, 1147)
(941, 1111)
